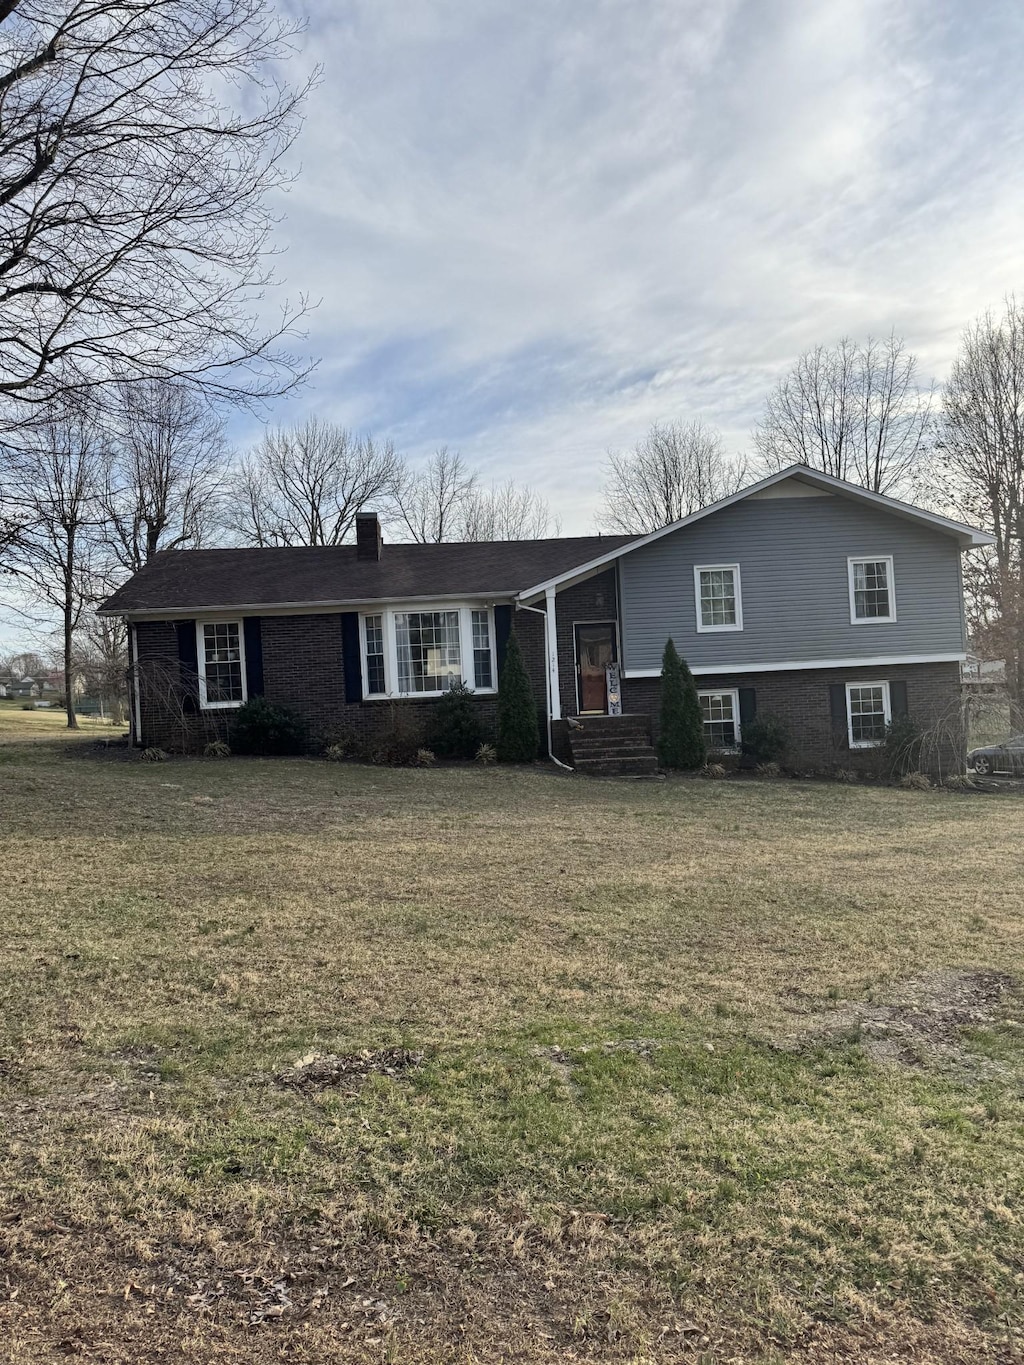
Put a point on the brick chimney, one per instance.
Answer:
(368, 536)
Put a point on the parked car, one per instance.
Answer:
(1007, 757)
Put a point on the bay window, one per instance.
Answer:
(420, 653)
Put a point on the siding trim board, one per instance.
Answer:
(799, 665)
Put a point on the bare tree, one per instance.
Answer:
(166, 470)
(854, 411)
(101, 662)
(139, 143)
(981, 466)
(675, 470)
(430, 502)
(303, 485)
(55, 484)
(505, 511)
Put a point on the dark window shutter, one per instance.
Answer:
(748, 706)
(502, 630)
(188, 664)
(350, 654)
(898, 700)
(840, 721)
(252, 634)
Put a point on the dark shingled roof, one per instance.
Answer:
(197, 579)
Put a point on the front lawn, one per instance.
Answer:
(692, 1070)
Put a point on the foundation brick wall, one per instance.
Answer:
(801, 700)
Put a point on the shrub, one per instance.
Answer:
(455, 730)
(339, 744)
(425, 758)
(915, 782)
(487, 753)
(901, 752)
(264, 727)
(396, 740)
(844, 775)
(153, 756)
(217, 749)
(765, 739)
(769, 770)
(960, 782)
(681, 732)
(713, 770)
(518, 731)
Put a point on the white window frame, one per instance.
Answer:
(698, 569)
(856, 620)
(204, 703)
(724, 692)
(388, 613)
(887, 711)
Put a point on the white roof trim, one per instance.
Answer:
(968, 536)
(803, 665)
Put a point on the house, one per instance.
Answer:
(836, 609)
(27, 689)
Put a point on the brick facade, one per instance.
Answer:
(801, 701)
(303, 669)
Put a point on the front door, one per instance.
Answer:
(595, 650)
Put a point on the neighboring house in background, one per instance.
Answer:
(27, 689)
(983, 674)
(834, 608)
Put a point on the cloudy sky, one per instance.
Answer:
(536, 227)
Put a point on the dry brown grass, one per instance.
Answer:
(738, 1187)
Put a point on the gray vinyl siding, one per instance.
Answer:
(792, 554)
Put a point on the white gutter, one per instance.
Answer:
(521, 606)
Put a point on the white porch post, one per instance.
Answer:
(551, 642)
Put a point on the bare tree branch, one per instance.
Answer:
(139, 143)
(166, 471)
(303, 485)
(676, 469)
(981, 472)
(853, 411)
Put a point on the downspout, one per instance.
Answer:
(521, 606)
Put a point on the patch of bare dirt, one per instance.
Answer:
(925, 1020)
(320, 1070)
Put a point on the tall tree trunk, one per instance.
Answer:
(69, 673)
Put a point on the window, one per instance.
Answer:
(718, 597)
(483, 672)
(872, 597)
(221, 664)
(429, 650)
(721, 719)
(373, 643)
(869, 712)
(422, 653)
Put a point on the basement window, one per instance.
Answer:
(721, 712)
(868, 713)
